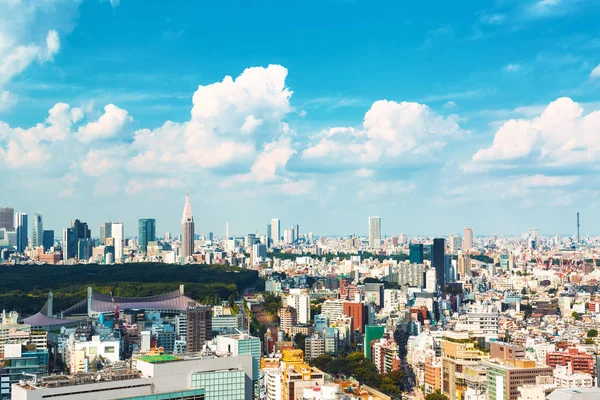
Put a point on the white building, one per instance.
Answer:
(118, 235)
(79, 354)
(299, 300)
(374, 232)
(332, 309)
(275, 230)
(273, 383)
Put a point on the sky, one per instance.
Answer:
(434, 115)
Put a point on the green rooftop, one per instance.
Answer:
(162, 358)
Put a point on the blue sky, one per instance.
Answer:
(434, 115)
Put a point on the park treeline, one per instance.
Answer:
(24, 288)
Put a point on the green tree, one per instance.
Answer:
(576, 316)
(437, 395)
(592, 333)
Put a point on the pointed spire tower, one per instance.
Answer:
(187, 230)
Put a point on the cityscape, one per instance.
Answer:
(316, 200)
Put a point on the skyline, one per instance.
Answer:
(482, 115)
(133, 226)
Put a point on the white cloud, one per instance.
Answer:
(595, 72)
(223, 129)
(561, 135)
(449, 104)
(364, 173)
(7, 100)
(135, 186)
(391, 131)
(110, 124)
(513, 67)
(297, 188)
(99, 162)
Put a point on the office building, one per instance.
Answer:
(359, 313)
(187, 230)
(82, 229)
(147, 233)
(372, 332)
(259, 253)
(7, 218)
(199, 327)
(299, 300)
(467, 239)
(154, 377)
(37, 230)
(84, 249)
(118, 236)
(243, 345)
(314, 346)
(18, 361)
(459, 353)
(505, 378)
(48, 239)
(69, 243)
(287, 318)
(21, 228)
(105, 232)
(374, 232)
(416, 253)
(438, 261)
(288, 236)
(275, 230)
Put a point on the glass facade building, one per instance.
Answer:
(416, 253)
(197, 394)
(147, 233)
(221, 385)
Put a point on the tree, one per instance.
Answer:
(592, 333)
(437, 395)
(576, 316)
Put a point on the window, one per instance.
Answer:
(109, 349)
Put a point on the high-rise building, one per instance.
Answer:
(7, 218)
(48, 240)
(21, 227)
(454, 244)
(187, 230)
(118, 235)
(269, 235)
(37, 230)
(82, 229)
(416, 253)
(105, 232)
(199, 327)
(374, 232)
(467, 239)
(147, 233)
(69, 243)
(438, 261)
(288, 236)
(84, 249)
(275, 230)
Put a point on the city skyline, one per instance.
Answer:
(113, 126)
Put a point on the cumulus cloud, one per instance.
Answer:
(595, 72)
(513, 67)
(99, 162)
(561, 135)
(391, 131)
(7, 100)
(135, 186)
(224, 125)
(110, 124)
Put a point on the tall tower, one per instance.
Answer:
(275, 230)
(578, 237)
(22, 237)
(37, 230)
(118, 235)
(374, 232)
(467, 239)
(7, 218)
(147, 233)
(187, 230)
(438, 261)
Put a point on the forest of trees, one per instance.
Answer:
(24, 288)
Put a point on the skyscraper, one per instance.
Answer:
(438, 261)
(199, 327)
(37, 230)
(7, 218)
(268, 235)
(69, 243)
(105, 231)
(374, 232)
(147, 233)
(467, 239)
(275, 230)
(81, 228)
(416, 253)
(48, 240)
(22, 237)
(187, 230)
(118, 234)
